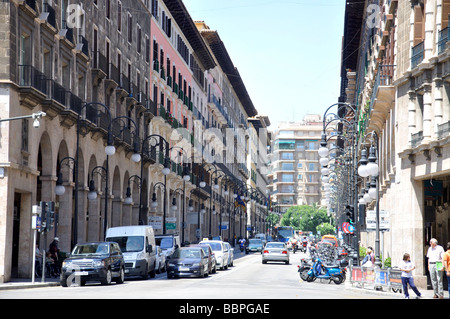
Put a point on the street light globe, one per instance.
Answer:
(373, 192)
(60, 190)
(325, 179)
(323, 151)
(362, 201)
(166, 171)
(362, 171)
(136, 157)
(154, 204)
(110, 150)
(325, 171)
(324, 161)
(187, 178)
(372, 169)
(92, 195)
(367, 198)
(202, 184)
(128, 200)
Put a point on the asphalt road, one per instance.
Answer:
(247, 279)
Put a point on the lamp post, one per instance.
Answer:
(369, 167)
(92, 195)
(148, 145)
(216, 186)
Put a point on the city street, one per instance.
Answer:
(247, 279)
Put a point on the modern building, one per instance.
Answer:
(134, 98)
(395, 70)
(295, 172)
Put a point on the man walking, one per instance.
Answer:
(434, 254)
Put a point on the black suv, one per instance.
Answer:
(94, 261)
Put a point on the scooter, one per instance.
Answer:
(304, 268)
(333, 273)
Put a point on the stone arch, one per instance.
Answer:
(116, 207)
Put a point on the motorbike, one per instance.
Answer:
(333, 273)
(304, 267)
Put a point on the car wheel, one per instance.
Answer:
(108, 279)
(63, 282)
(121, 278)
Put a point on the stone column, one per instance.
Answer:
(429, 30)
(438, 112)
(411, 115)
(427, 113)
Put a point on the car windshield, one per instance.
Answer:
(205, 249)
(129, 243)
(164, 242)
(275, 245)
(91, 249)
(215, 246)
(255, 241)
(187, 253)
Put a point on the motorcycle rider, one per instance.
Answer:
(242, 242)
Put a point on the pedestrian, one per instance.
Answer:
(367, 261)
(434, 254)
(446, 264)
(406, 268)
(53, 250)
(372, 255)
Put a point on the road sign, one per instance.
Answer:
(171, 226)
(371, 222)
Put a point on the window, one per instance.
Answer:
(147, 49)
(119, 16)
(130, 28)
(287, 177)
(287, 166)
(419, 24)
(311, 167)
(108, 9)
(300, 165)
(138, 40)
(287, 156)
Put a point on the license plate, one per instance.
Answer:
(183, 268)
(81, 273)
(127, 271)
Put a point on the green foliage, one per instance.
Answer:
(273, 219)
(306, 218)
(325, 229)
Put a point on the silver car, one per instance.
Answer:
(275, 251)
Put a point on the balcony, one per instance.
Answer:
(99, 68)
(383, 97)
(217, 109)
(416, 139)
(443, 37)
(82, 48)
(443, 130)
(32, 86)
(417, 54)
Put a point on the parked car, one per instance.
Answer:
(160, 260)
(255, 245)
(220, 250)
(187, 262)
(168, 243)
(230, 254)
(137, 244)
(212, 264)
(93, 261)
(275, 251)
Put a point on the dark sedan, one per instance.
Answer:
(94, 261)
(187, 262)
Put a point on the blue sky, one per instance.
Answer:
(287, 52)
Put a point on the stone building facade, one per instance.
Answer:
(106, 72)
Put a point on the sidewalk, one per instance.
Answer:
(24, 283)
(426, 294)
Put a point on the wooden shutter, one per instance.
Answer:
(419, 24)
(445, 13)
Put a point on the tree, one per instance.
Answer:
(305, 217)
(325, 229)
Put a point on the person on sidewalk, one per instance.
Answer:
(446, 264)
(434, 254)
(406, 268)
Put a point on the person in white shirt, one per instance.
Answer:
(407, 267)
(434, 254)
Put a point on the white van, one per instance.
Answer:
(138, 248)
(168, 243)
(220, 251)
